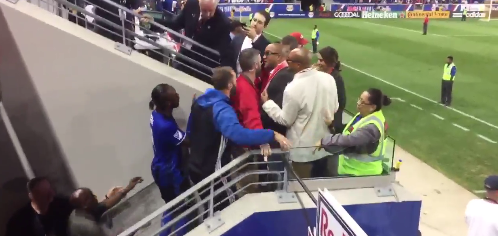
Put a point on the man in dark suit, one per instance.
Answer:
(206, 24)
(254, 37)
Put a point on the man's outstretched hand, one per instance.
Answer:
(285, 144)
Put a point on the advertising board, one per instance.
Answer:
(474, 14)
(346, 14)
(382, 15)
(291, 10)
(431, 14)
(333, 219)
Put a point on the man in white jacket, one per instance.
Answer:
(309, 100)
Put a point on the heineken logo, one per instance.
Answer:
(379, 15)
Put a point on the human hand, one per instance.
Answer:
(318, 146)
(264, 96)
(265, 151)
(285, 144)
(134, 182)
(194, 98)
(317, 43)
(250, 32)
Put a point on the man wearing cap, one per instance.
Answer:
(481, 215)
(300, 39)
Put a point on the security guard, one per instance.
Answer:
(365, 150)
(449, 72)
(464, 14)
(314, 38)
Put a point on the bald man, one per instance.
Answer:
(308, 101)
(202, 19)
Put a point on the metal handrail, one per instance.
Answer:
(193, 190)
(69, 5)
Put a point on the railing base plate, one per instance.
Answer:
(212, 223)
(286, 197)
(122, 48)
(386, 191)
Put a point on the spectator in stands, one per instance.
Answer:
(328, 62)
(212, 123)
(201, 20)
(84, 220)
(46, 214)
(236, 29)
(307, 101)
(254, 37)
(363, 137)
(300, 39)
(279, 76)
(288, 43)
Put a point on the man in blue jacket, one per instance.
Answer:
(212, 123)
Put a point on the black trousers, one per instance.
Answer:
(464, 17)
(315, 46)
(446, 92)
(424, 28)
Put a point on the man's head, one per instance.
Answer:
(328, 57)
(83, 198)
(208, 8)
(300, 38)
(224, 80)
(491, 186)
(273, 55)
(449, 59)
(260, 21)
(299, 59)
(290, 43)
(316, 27)
(236, 27)
(40, 192)
(250, 61)
(163, 98)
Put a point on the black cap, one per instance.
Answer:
(491, 183)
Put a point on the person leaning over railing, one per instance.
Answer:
(212, 123)
(363, 137)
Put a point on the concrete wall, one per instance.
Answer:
(78, 107)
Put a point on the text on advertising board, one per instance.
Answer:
(347, 14)
(380, 15)
(332, 219)
(469, 14)
(431, 14)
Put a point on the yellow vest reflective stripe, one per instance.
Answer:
(313, 33)
(447, 71)
(364, 164)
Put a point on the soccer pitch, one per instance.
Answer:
(393, 55)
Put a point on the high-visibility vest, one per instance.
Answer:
(465, 12)
(364, 164)
(313, 33)
(447, 71)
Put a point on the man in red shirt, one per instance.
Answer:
(426, 23)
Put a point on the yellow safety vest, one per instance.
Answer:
(465, 11)
(447, 71)
(364, 164)
(313, 33)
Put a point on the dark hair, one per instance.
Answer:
(330, 56)
(290, 41)
(378, 99)
(266, 15)
(450, 57)
(158, 96)
(222, 76)
(247, 58)
(34, 182)
(337, 66)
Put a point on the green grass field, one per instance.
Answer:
(394, 56)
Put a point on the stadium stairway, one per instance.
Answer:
(79, 109)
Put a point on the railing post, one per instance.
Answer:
(211, 199)
(285, 186)
(283, 195)
(118, 46)
(214, 220)
(123, 18)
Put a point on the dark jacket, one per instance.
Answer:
(341, 97)
(212, 119)
(276, 93)
(214, 34)
(260, 44)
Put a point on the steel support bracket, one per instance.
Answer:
(286, 197)
(214, 222)
(123, 48)
(386, 191)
